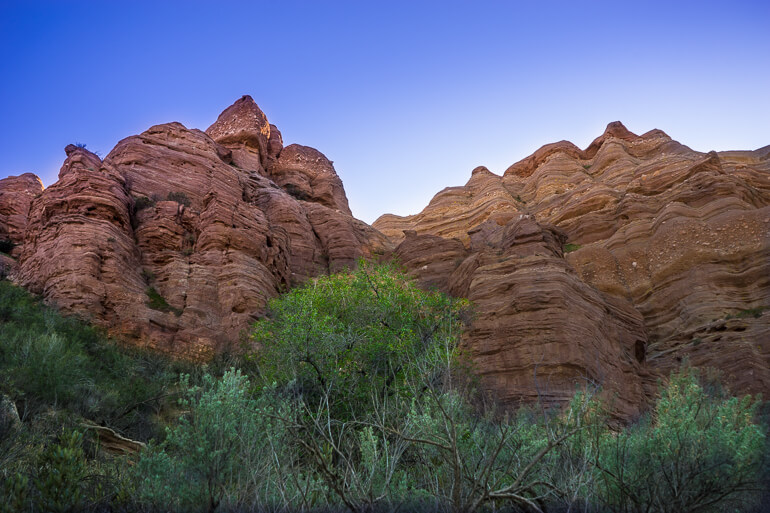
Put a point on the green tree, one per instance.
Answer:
(383, 404)
(351, 338)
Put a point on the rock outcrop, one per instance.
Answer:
(179, 238)
(666, 259)
(16, 195)
(610, 265)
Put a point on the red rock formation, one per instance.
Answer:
(178, 240)
(608, 265)
(672, 263)
(16, 195)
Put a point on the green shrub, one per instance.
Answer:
(751, 312)
(179, 197)
(50, 361)
(51, 369)
(354, 334)
(228, 450)
(158, 302)
(568, 248)
(382, 405)
(142, 202)
(698, 452)
(59, 479)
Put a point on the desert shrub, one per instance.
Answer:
(228, 450)
(158, 302)
(697, 452)
(383, 406)
(60, 475)
(179, 197)
(568, 248)
(142, 202)
(347, 336)
(51, 369)
(50, 361)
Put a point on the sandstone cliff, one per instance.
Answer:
(179, 237)
(612, 264)
(609, 265)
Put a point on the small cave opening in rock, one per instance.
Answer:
(639, 351)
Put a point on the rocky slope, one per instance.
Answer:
(609, 265)
(179, 237)
(612, 264)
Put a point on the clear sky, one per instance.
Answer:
(406, 97)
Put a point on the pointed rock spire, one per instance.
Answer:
(243, 124)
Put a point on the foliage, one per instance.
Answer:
(227, 449)
(142, 202)
(60, 475)
(359, 399)
(698, 452)
(49, 361)
(568, 248)
(179, 197)
(383, 404)
(202, 453)
(749, 312)
(158, 302)
(349, 338)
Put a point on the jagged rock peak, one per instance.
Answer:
(619, 130)
(243, 124)
(481, 169)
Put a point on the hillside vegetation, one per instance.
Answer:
(353, 394)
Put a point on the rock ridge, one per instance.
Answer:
(670, 244)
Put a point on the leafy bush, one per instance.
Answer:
(158, 302)
(49, 361)
(229, 450)
(349, 337)
(142, 202)
(381, 402)
(698, 452)
(568, 248)
(179, 197)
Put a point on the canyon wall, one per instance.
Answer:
(610, 266)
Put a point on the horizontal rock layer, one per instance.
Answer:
(609, 266)
(666, 260)
(178, 239)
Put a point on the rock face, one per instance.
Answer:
(612, 264)
(16, 195)
(179, 237)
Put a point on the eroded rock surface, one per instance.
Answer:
(666, 259)
(179, 237)
(610, 265)
(16, 195)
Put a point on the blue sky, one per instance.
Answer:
(405, 97)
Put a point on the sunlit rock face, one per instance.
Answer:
(178, 239)
(610, 265)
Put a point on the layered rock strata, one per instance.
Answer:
(666, 260)
(607, 266)
(179, 238)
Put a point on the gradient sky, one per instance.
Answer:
(405, 97)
